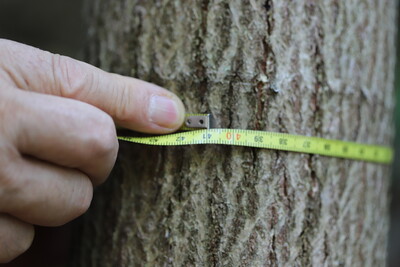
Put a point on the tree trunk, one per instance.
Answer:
(310, 67)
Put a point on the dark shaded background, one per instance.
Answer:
(53, 25)
(58, 26)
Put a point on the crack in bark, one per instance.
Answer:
(201, 71)
(268, 68)
(231, 56)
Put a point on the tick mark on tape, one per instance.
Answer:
(199, 132)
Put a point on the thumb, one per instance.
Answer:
(132, 103)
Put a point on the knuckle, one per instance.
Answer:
(68, 76)
(103, 141)
(123, 105)
(16, 240)
(82, 201)
(6, 256)
(25, 240)
(7, 186)
(8, 183)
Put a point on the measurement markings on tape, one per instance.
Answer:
(272, 140)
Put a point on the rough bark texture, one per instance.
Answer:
(321, 68)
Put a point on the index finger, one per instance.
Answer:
(132, 103)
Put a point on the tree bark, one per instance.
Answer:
(310, 67)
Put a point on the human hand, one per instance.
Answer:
(57, 136)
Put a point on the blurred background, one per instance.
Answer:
(53, 25)
(58, 26)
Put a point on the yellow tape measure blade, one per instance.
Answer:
(271, 140)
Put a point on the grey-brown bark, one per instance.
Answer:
(320, 68)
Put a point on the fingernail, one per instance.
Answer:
(165, 112)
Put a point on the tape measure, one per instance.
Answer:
(263, 139)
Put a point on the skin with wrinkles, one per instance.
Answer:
(58, 137)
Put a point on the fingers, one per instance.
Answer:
(63, 131)
(15, 237)
(132, 103)
(41, 193)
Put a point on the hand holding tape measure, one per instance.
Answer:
(191, 135)
(58, 138)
